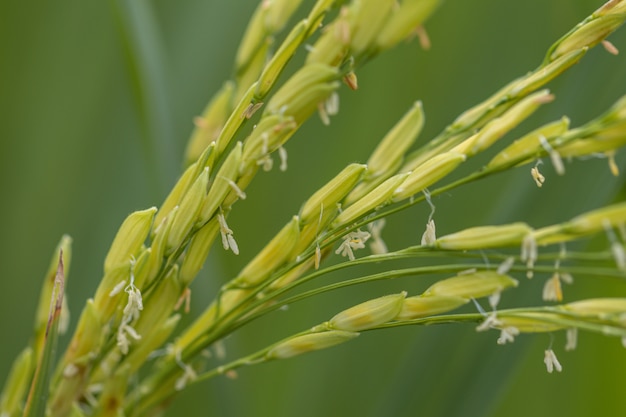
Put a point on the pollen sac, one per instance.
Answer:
(369, 314)
(129, 238)
(309, 342)
(485, 237)
(424, 306)
(475, 285)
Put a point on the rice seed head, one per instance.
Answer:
(197, 251)
(110, 291)
(548, 72)
(327, 197)
(17, 383)
(129, 238)
(272, 256)
(254, 36)
(597, 220)
(239, 114)
(528, 146)
(428, 173)
(604, 308)
(271, 132)
(368, 18)
(279, 12)
(87, 338)
(175, 196)
(301, 94)
(210, 123)
(499, 126)
(188, 211)
(379, 196)
(151, 341)
(156, 252)
(390, 151)
(475, 285)
(369, 314)
(403, 20)
(334, 43)
(162, 301)
(592, 31)
(279, 60)
(424, 306)
(485, 237)
(531, 322)
(219, 189)
(308, 343)
(43, 306)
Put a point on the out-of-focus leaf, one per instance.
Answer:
(38, 395)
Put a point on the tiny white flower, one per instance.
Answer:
(557, 162)
(70, 370)
(506, 265)
(609, 47)
(529, 253)
(318, 256)
(235, 188)
(566, 277)
(282, 152)
(188, 373)
(429, 237)
(539, 179)
(228, 240)
(491, 321)
(619, 255)
(332, 104)
(551, 361)
(377, 245)
(612, 165)
(572, 338)
(118, 288)
(507, 335)
(552, 289)
(494, 299)
(266, 162)
(352, 241)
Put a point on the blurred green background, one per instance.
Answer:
(97, 101)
